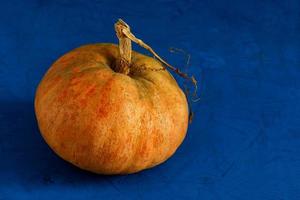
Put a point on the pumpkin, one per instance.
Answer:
(110, 110)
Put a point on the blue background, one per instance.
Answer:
(244, 142)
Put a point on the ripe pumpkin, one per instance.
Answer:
(110, 110)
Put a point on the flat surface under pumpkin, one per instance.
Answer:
(244, 141)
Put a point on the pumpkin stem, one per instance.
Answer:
(123, 32)
(123, 63)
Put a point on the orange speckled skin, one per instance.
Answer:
(107, 122)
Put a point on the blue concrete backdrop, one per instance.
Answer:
(245, 139)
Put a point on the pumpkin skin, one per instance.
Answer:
(107, 122)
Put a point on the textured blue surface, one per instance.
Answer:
(245, 139)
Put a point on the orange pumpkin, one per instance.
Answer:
(110, 110)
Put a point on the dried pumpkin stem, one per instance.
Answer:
(124, 61)
(123, 31)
